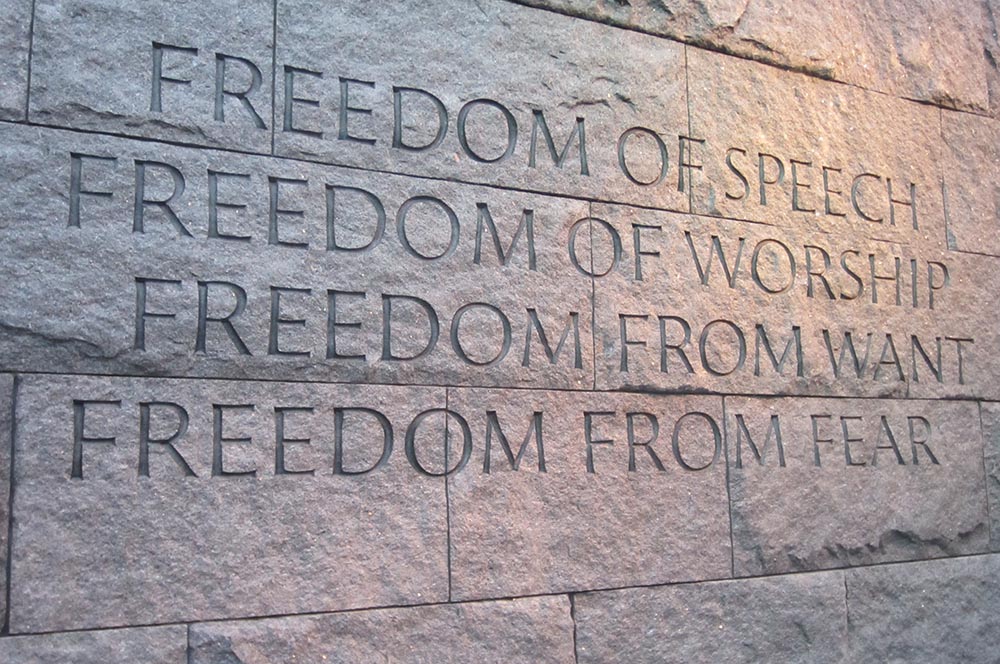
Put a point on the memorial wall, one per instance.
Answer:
(564, 331)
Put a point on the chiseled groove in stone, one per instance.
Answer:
(8, 438)
(274, 70)
(936, 611)
(584, 591)
(690, 131)
(729, 490)
(593, 295)
(797, 617)
(847, 613)
(609, 391)
(31, 41)
(572, 613)
(518, 630)
(992, 52)
(447, 489)
(990, 414)
(800, 517)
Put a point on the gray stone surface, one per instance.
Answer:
(931, 50)
(991, 440)
(93, 68)
(98, 542)
(148, 645)
(533, 629)
(72, 294)
(524, 59)
(862, 504)
(972, 162)
(316, 315)
(736, 104)
(670, 274)
(936, 611)
(992, 51)
(796, 618)
(15, 36)
(6, 397)
(525, 531)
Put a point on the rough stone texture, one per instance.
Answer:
(563, 67)
(79, 313)
(740, 104)
(935, 611)
(116, 548)
(992, 51)
(684, 282)
(798, 618)
(6, 397)
(930, 50)
(803, 517)
(991, 440)
(524, 531)
(534, 629)
(333, 328)
(149, 645)
(15, 36)
(93, 64)
(972, 162)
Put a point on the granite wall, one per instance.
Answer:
(548, 331)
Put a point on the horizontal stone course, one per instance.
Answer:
(376, 106)
(541, 487)
(938, 610)
(159, 500)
